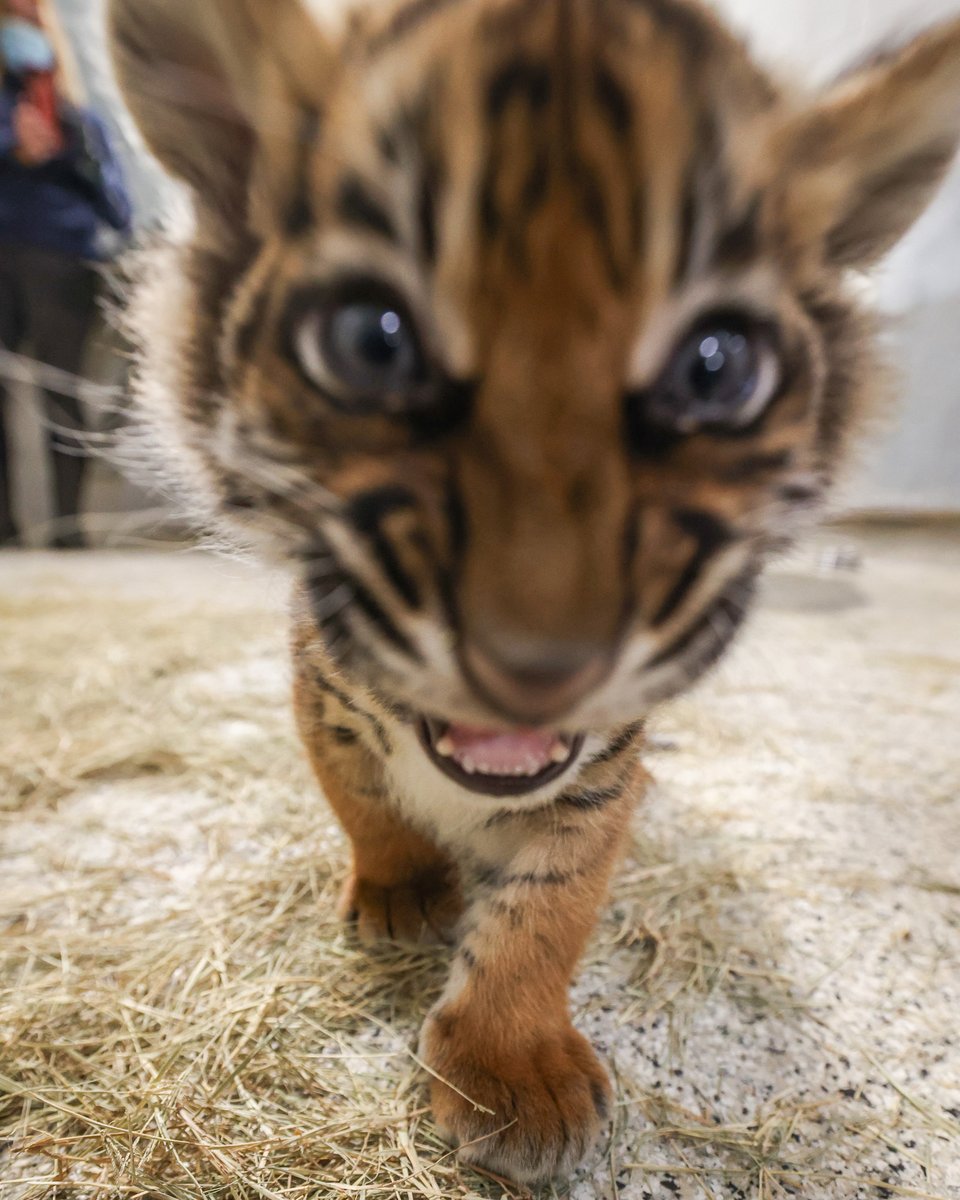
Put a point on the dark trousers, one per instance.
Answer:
(48, 305)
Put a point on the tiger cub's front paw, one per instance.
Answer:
(548, 1099)
(422, 909)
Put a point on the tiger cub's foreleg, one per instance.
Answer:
(401, 886)
(501, 1035)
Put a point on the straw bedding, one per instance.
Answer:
(775, 985)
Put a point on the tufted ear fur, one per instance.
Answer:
(222, 91)
(862, 165)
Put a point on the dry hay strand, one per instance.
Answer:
(212, 1046)
(240, 1044)
(111, 693)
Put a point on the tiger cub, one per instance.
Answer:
(523, 330)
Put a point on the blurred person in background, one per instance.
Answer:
(61, 186)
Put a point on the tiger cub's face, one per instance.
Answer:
(522, 329)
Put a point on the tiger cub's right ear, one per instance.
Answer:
(218, 89)
(861, 164)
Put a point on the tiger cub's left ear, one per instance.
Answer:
(219, 89)
(862, 165)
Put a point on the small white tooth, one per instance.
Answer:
(469, 766)
(445, 747)
(560, 753)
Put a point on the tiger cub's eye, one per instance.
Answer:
(362, 350)
(723, 374)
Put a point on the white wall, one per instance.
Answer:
(820, 37)
(917, 465)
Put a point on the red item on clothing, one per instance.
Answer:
(41, 92)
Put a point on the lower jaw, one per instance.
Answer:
(501, 787)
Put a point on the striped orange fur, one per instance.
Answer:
(522, 330)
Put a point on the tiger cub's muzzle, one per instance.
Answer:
(534, 680)
(530, 682)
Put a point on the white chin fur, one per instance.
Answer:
(438, 803)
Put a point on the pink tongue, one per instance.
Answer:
(495, 753)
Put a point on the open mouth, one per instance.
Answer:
(497, 762)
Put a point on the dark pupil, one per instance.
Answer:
(372, 343)
(721, 368)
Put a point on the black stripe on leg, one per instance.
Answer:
(512, 912)
(599, 1097)
(323, 684)
(469, 959)
(493, 877)
(343, 735)
(539, 879)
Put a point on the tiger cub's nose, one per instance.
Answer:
(534, 679)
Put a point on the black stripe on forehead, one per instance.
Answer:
(554, 140)
(690, 25)
(357, 206)
(509, 20)
(616, 108)
(739, 242)
(427, 203)
(251, 324)
(406, 20)
(612, 100)
(412, 141)
(528, 82)
(596, 208)
(523, 79)
(300, 215)
(705, 199)
(388, 143)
